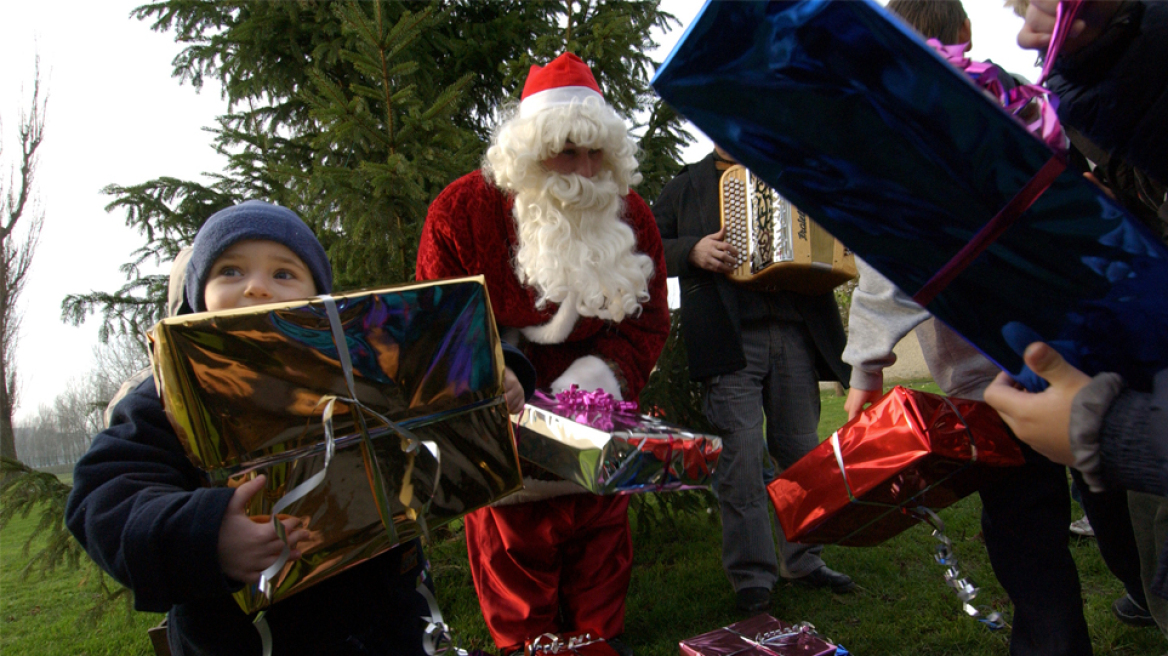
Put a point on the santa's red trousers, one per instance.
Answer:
(561, 564)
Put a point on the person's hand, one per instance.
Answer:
(248, 545)
(513, 392)
(1088, 24)
(1042, 420)
(858, 399)
(713, 253)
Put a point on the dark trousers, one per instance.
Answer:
(1025, 515)
(1110, 519)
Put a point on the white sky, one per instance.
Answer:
(116, 116)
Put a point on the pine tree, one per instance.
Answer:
(357, 114)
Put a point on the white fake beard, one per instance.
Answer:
(573, 245)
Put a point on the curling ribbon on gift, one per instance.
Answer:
(410, 444)
(577, 400)
(986, 76)
(783, 637)
(1064, 17)
(437, 638)
(550, 643)
(965, 590)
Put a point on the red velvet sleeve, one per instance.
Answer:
(438, 253)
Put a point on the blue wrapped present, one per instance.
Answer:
(858, 122)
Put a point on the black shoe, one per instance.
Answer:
(1130, 612)
(619, 647)
(826, 577)
(753, 600)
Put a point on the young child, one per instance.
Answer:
(143, 513)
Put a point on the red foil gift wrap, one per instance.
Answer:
(409, 415)
(579, 643)
(761, 635)
(908, 449)
(600, 444)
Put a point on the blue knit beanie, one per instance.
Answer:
(253, 219)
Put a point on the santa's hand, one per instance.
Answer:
(247, 547)
(1041, 420)
(858, 398)
(713, 253)
(589, 373)
(513, 392)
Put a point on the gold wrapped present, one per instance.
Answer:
(373, 415)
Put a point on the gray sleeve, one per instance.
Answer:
(880, 316)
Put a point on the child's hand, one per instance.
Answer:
(1041, 420)
(247, 547)
(513, 392)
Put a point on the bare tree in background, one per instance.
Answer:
(17, 208)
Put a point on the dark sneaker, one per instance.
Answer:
(1130, 612)
(619, 647)
(754, 600)
(826, 577)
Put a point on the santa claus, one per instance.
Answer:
(573, 263)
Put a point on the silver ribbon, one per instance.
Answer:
(437, 638)
(965, 590)
(550, 643)
(409, 444)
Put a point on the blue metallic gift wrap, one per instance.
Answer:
(373, 415)
(859, 123)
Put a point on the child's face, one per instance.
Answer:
(254, 272)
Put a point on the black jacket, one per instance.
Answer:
(686, 211)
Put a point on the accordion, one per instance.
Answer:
(779, 246)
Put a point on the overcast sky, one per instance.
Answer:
(116, 116)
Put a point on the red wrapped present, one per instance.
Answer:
(908, 449)
(761, 635)
(579, 643)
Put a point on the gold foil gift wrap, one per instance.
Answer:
(247, 392)
(610, 451)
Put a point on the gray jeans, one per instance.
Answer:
(1149, 516)
(780, 383)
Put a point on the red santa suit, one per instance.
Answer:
(561, 563)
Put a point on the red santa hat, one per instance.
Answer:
(567, 79)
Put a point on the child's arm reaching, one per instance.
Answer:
(247, 547)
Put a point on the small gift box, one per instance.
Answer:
(579, 643)
(602, 445)
(847, 113)
(373, 415)
(762, 635)
(908, 449)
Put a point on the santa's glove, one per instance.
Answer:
(589, 373)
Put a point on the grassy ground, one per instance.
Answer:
(678, 590)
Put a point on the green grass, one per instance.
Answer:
(678, 590)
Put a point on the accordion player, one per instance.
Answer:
(779, 246)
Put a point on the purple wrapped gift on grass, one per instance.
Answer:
(859, 123)
(761, 635)
(604, 446)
